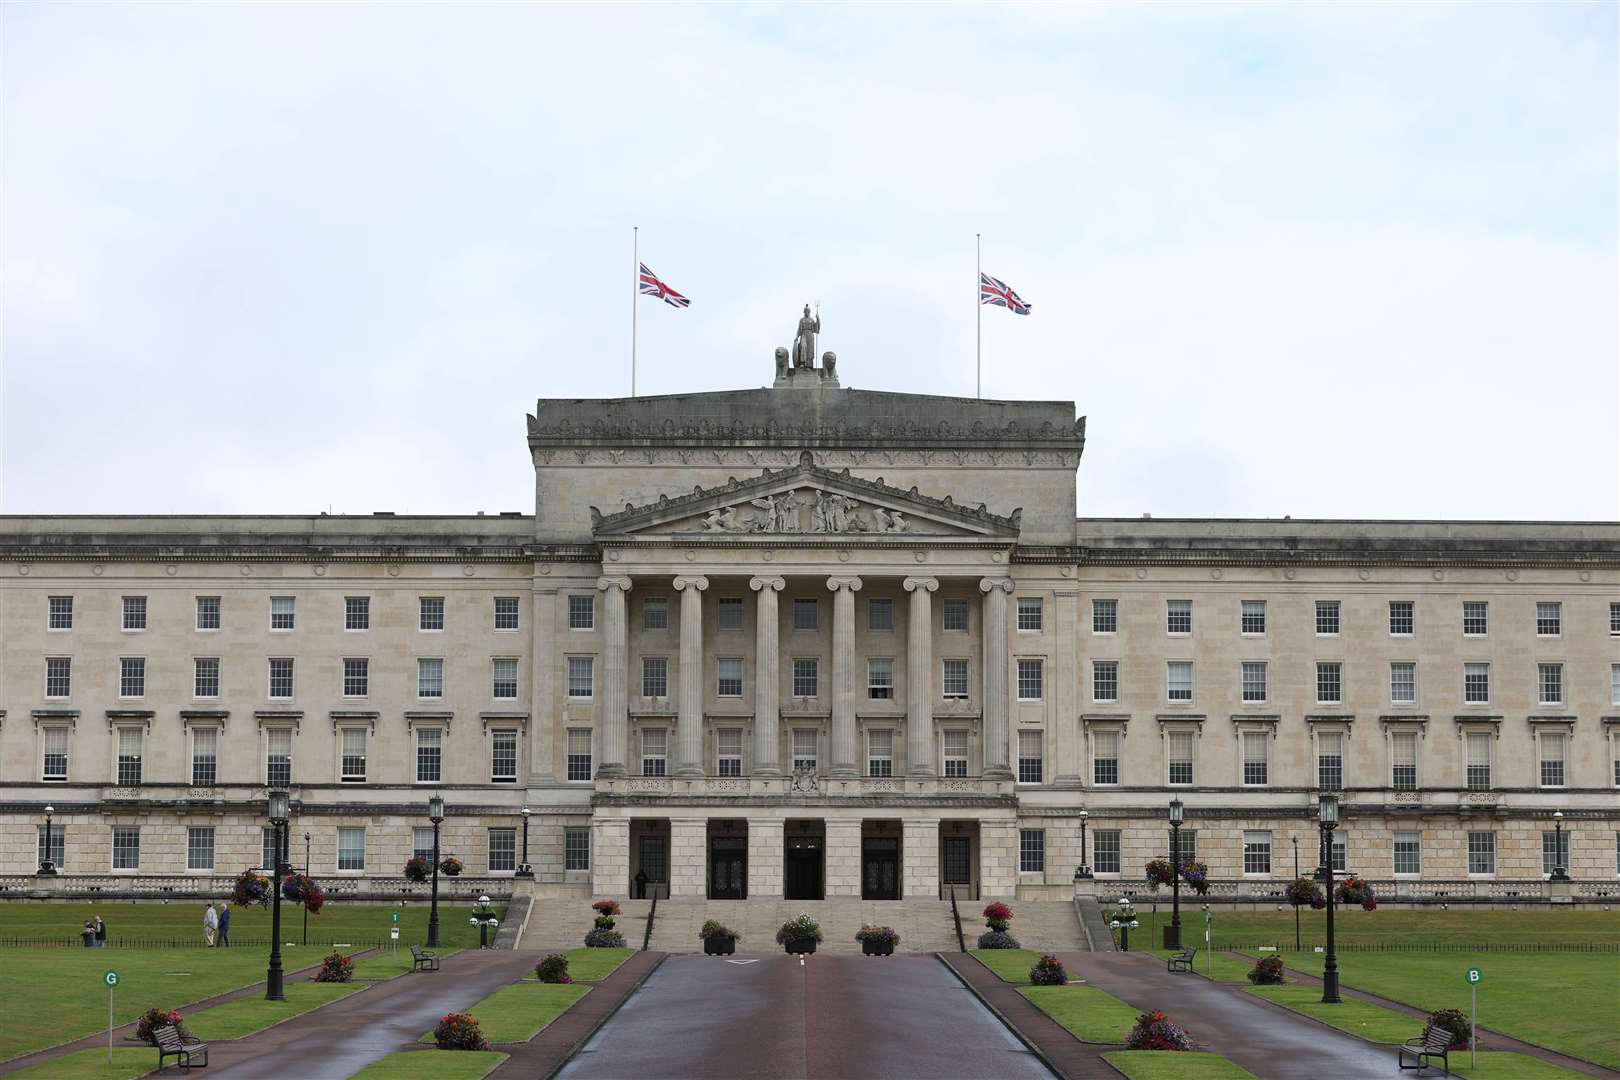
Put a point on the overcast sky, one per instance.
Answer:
(1352, 261)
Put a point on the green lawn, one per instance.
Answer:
(1011, 964)
(1227, 968)
(1509, 1067)
(235, 1019)
(594, 965)
(1354, 926)
(432, 1065)
(1175, 1065)
(1089, 1014)
(517, 1013)
(127, 1063)
(385, 966)
(1371, 1022)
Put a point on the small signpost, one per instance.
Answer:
(1473, 1017)
(111, 979)
(1209, 953)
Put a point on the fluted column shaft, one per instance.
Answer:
(995, 592)
(843, 675)
(767, 673)
(689, 707)
(919, 677)
(615, 679)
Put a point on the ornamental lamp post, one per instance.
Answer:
(484, 918)
(1084, 870)
(435, 815)
(306, 870)
(1295, 839)
(1172, 933)
(47, 866)
(278, 823)
(1560, 872)
(524, 870)
(1124, 921)
(1328, 804)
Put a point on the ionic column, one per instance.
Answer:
(995, 592)
(767, 690)
(615, 679)
(843, 676)
(689, 710)
(919, 677)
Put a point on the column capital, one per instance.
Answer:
(853, 584)
(606, 583)
(989, 584)
(912, 584)
(697, 582)
(775, 584)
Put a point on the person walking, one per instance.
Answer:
(210, 925)
(89, 935)
(101, 933)
(225, 926)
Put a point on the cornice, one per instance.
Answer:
(1549, 554)
(83, 548)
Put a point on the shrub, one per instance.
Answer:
(713, 929)
(1267, 971)
(1048, 971)
(459, 1031)
(1196, 875)
(336, 968)
(1454, 1021)
(1160, 872)
(251, 888)
(601, 938)
(1154, 1031)
(997, 939)
(882, 935)
(417, 868)
(450, 866)
(553, 969)
(301, 888)
(1303, 891)
(799, 928)
(153, 1019)
(997, 916)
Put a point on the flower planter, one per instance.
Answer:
(877, 948)
(719, 946)
(800, 946)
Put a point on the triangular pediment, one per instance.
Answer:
(805, 501)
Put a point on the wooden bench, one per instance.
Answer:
(1426, 1048)
(171, 1043)
(422, 960)
(1182, 961)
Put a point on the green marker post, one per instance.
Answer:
(111, 979)
(1474, 976)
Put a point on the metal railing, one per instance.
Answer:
(1271, 890)
(956, 917)
(652, 913)
(389, 887)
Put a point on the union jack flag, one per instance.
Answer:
(651, 286)
(1000, 294)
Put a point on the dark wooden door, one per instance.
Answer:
(880, 868)
(728, 868)
(802, 867)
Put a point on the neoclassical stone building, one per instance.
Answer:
(806, 642)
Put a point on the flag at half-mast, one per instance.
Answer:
(651, 286)
(1000, 294)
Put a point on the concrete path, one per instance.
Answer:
(832, 1018)
(1065, 1054)
(544, 1054)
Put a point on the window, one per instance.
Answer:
(1614, 618)
(954, 616)
(1031, 679)
(880, 753)
(1403, 748)
(134, 613)
(1105, 680)
(58, 676)
(200, 847)
(1550, 683)
(1478, 751)
(1184, 847)
(282, 612)
(1402, 617)
(654, 751)
(956, 679)
(880, 678)
(357, 613)
(1257, 853)
(729, 612)
(655, 613)
(208, 613)
(1031, 851)
(1482, 853)
(1252, 620)
(506, 613)
(804, 749)
(1403, 682)
(430, 613)
(1029, 757)
(1256, 763)
(356, 676)
(581, 677)
(132, 676)
(126, 848)
(281, 677)
(54, 767)
(205, 676)
(728, 681)
(204, 756)
(1549, 619)
(60, 613)
(1330, 761)
(1408, 853)
(130, 740)
(1104, 616)
(804, 613)
(278, 757)
(1477, 684)
(1105, 757)
(1554, 851)
(1254, 680)
(1178, 681)
(579, 754)
(1029, 613)
(1178, 616)
(352, 768)
(502, 850)
(504, 679)
(1105, 851)
(1614, 684)
(503, 756)
(430, 677)
(576, 847)
(429, 755)
(1329, 682)
(582, 613)
(728, 743)
(655, 676)
(422, 842)
(1327, 617)
(954, 742)
(351, 849)
(880, 614)
(804, 676)
(53, 847)
(1552, 759)
(1476, 618)
(1179, 750)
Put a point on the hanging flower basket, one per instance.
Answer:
(303, 889)
(1196, 876)
(251, 889)
(450, 867)
(1303, 892)
(417, 869)
(1356, 891)
(1160, 872)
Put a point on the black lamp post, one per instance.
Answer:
(1085, 869)
(524, 869)
(483, 917)
(1172, 933)
(1124, 921)
(1560, 872)
(1329, 820)
(278, 822)
(47, 865)
(435, 815)
(306, 870)
(1296, 878)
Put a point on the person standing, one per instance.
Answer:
(225, 926)
(210, 925)
(101, 933)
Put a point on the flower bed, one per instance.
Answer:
(718, 938)
(153, 1019)
(1454, 1021)
(877, 940)
(1154, 1031)
(799, 934)
(459, 1031)
(1048, 971)
(998, 917)
(553, 969)
(336, 968)
(1267, 971)
(602, 935)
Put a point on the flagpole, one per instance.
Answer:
(978, 318)
(635, 292)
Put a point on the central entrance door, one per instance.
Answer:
(880, 868)
(958, 864)
(802, 863)
(728, 868)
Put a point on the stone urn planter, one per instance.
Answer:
(797, 946)
(877, 948)
(877, 940)
(799, 935)
(719, 946)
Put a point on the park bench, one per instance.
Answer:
(171, 1043)
(1423, 1050)
(1182, 961)
(422, 960)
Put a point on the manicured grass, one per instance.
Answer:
(1011, 964)
(1088, 1013)
(432, 1065)
(1384, 926)
(386, 966)
(1509, 1067)
(517, 1013)
(127, 1063)
(1227, 968)
(1175, 1065)
(1370, 1022)
(235, 1019)
(594, 965)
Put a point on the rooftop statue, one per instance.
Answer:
(804, 341)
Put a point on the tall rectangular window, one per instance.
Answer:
(52, 846)
(1179, 748)
(1255, 681)
(1614, 619)
(503, 756)
(58, 676)
(506, 613)
(1029, 613)
(654, 751)
(1475, 618)
(804, 749)
(1030, 758)
(352, 763)
(1031, 851)
(283, 612)
(1178, 616)
(1402, 617)
(278, 757)
(655, 613)
(430, 613)
(356, 676)
(208, 613)
(1329, 682)
(880, 752)
(1478, 750)
(1554, 851)
(804, 613)
(1614, 684)
(805, 670)
(880, 614)
(200, 847)
(655, 676)
(1252, 619)
(1257, 853)
(502, 850)
(1402, 682)
(59, 613)
(1330, 761)
(422, 842)
(1105, 680)
(729, 612)
(576, 847)
(1339, 852)
(130, 740)
(1403, 749)
(126, 847)
(1327, 617)
(1552, 759)
(430, 677)
(281, 677)
(880, 678)
(1477, 684)
(132, 676)
(954, 749)
(1178, 681)
(954, 615)
(429, 755)
(582, 612)
(1105, 851)
(728, 751)
(1031, 679)
(357, 613)
(1105, 757)
(579, 754)
(54, 764)
(1256, 760)
(1408, 853)
(1549, 619)
(1104, 616)
(351, 848)
(728, 677)
(1482, 853)
(1550, 684)
(503, 684)
(204, 756)
(205, 676)
(581, 678)
(955, 678)
(134, 613)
